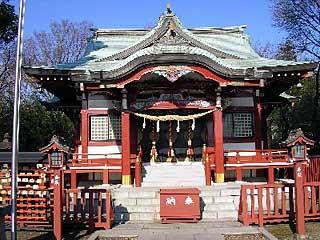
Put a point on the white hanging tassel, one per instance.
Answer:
(144, 123)
(158, 126)
(178, 126)
(193, 126)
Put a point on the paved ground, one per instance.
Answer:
(199, 231)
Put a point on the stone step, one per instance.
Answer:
(220, 207)
(219, 215)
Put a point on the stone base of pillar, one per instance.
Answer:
(126, 180)
(219, 177)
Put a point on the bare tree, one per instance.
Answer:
(65, 42)
(301, 20)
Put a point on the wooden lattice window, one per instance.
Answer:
(56, 158)
(299, 151)
(105, 127)
(237, 125)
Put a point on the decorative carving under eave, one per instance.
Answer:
(176, 99)
(172, 73)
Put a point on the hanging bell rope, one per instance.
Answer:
(173, 117)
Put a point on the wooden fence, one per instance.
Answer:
(313, 169)
(90, 207)
(269, 203)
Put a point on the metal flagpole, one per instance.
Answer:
(15, 135)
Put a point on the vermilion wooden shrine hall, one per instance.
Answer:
(169, 96)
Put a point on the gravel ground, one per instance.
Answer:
(245, 237)
(287, 231)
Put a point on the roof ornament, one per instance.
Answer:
(169, 11)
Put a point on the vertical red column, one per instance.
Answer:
(299, 198)
(57, 204)
(125, 143)
(218, 146)
(73, 179)
(258, 120)
(84, 133)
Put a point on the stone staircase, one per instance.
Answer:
(179, 174)
(220, 202)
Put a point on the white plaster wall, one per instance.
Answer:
(240, 146)
(101, 151)
(242, 102)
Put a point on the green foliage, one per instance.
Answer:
(296, 115)
(8, 22)
(37, 125)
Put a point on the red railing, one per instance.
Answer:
(268, 203)
(256, 156)
(91, 207)
(313, 169)
(311, 200)
(239, 160)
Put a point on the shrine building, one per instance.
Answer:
(169, 96)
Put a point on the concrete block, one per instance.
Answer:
(141, 209)
(210, 193)
(220, 207)
(207, 200)
(230, 192)
(138, 194)
(148, 201)
(223, 199)
(228, 215)
(142, 216)
(236, 201)
(119, 194)
(125, 201)
(209, 215)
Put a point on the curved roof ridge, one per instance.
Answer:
(161, 28)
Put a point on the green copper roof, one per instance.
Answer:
(225, 50)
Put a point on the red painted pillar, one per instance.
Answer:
(207, 170)
(84, 134)
(218, 146)
(57, 204)
(105, 177)
(125, 142)
(138, 171)
(73, 179)
(299, 198)
(258, 120)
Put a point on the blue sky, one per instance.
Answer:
(256, 14)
